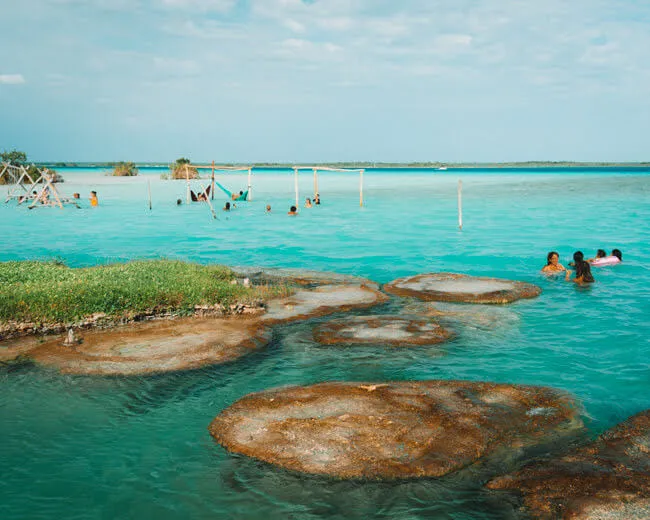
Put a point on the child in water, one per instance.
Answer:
(583, 270)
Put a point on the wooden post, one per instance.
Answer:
(207, 199)
(361, 188)
(315, 182)
(187, 180)
(250, 187)
(149, 190)
(212, 189)
(460, 204)
(295, 185)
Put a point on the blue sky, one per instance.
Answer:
(326, 80)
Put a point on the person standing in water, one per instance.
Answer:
(93, 199)
(308, 203)
(583, 270)
(553, 264)
(293, 211)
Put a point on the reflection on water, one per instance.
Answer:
(83, 447)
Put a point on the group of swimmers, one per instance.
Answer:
(582, 267)
(44, 197)
(293, 210)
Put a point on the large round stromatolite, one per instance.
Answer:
(609, 478)
(451, 287)
(156, 347)
(383, 330)
(392, 430)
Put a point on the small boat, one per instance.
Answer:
(442, 168)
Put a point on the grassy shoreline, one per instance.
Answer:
(37, 296)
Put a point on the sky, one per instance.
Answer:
(325, 80)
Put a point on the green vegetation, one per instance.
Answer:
(125, 169)
(183, 169)
(51, 292)
(17, 158)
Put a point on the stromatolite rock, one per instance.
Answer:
(392, 430)
(156, 347)
(451, 287)
(320, 301)
(609, 478)
(383, 330)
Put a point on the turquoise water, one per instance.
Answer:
(92, 447)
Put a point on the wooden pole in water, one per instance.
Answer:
(315, 182)
(187, 180)
(361, 188)
(295, 185)
(460, 204)
(212, 180)
(250, 187)
(207, 199)
(149, 190)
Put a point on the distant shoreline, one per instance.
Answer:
(375, 165)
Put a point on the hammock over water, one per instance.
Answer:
(243, 196)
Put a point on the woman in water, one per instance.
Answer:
(553, 264)
(308, 203)
(583, 270)
(293, 211)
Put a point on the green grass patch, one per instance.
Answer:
(54, 293)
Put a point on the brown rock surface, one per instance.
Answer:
(392, 430)
(155, 346)
(450, 287)
(385, 330)
(320, 301)
(609, 478)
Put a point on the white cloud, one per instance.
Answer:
(294, 26)
(11, 79)
(219, 6)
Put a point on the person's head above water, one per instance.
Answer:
(578, 257)
(293, 210)
(179, 202)
(227, 206)
(552, 258)
(617, 253)
(268, 208)
(601, 253)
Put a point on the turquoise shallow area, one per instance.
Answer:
(88, 447)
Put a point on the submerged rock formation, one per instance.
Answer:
(450, 287)
(381, 330)
(609, 478)
(392, 430)
(155, 347)
(320, 301)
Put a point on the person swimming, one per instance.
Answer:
(601, 253)
(227, 206)
(308, 203)
(268, 208)
(293, 211)
(617, 253)
(179, 202)
(583, 270)
(317, 199)
(553, 264)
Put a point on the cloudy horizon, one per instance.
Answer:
(325, 80)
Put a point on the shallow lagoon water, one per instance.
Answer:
(92, 447)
